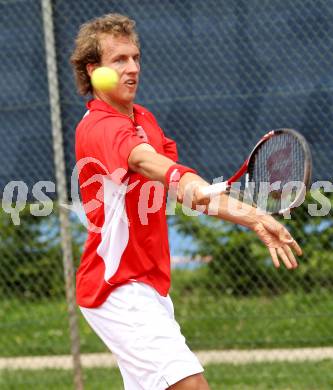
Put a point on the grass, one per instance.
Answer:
(208, 320)
(277, 376)
(214, 321)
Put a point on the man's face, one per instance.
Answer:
(122, 54)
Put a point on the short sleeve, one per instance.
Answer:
(169, 145)
(170, 148)
(111, 144)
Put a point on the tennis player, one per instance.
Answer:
(126, 166)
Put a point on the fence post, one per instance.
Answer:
(60, 173)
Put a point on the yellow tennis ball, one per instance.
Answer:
(104, 79)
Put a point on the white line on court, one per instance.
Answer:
(206, 357)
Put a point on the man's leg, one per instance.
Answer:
(138, 326)
(193, 382)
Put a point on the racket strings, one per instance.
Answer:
(276, 164)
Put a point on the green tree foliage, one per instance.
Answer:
(31, 260)
(315, 235)
(30, 255)
(241, 265)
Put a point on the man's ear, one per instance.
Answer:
(90, 68)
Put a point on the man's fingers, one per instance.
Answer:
(274, 257)
(293, 243)
(286, 238)
(280, 243)
(290, 255)
(284, 257)
(296, 248)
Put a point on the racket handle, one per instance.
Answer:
(215, 189)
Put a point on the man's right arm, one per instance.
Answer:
(145, 160)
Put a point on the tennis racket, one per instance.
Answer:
(277, 172)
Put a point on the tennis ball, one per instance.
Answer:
(104, 79)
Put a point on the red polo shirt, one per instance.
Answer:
(127, 230)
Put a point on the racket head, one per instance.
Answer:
(279, 171)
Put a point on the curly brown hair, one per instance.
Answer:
(88, 50)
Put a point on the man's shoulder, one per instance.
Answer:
(140, 108)
(144, 111)
(101, 118)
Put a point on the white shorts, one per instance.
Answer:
(138, 326)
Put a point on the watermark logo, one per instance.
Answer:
(108, 190)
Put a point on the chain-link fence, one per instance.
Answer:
(217, 75)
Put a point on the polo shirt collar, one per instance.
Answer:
(100, 105)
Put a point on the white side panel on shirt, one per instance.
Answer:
(115, 232)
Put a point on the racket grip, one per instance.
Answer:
(215, 189)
